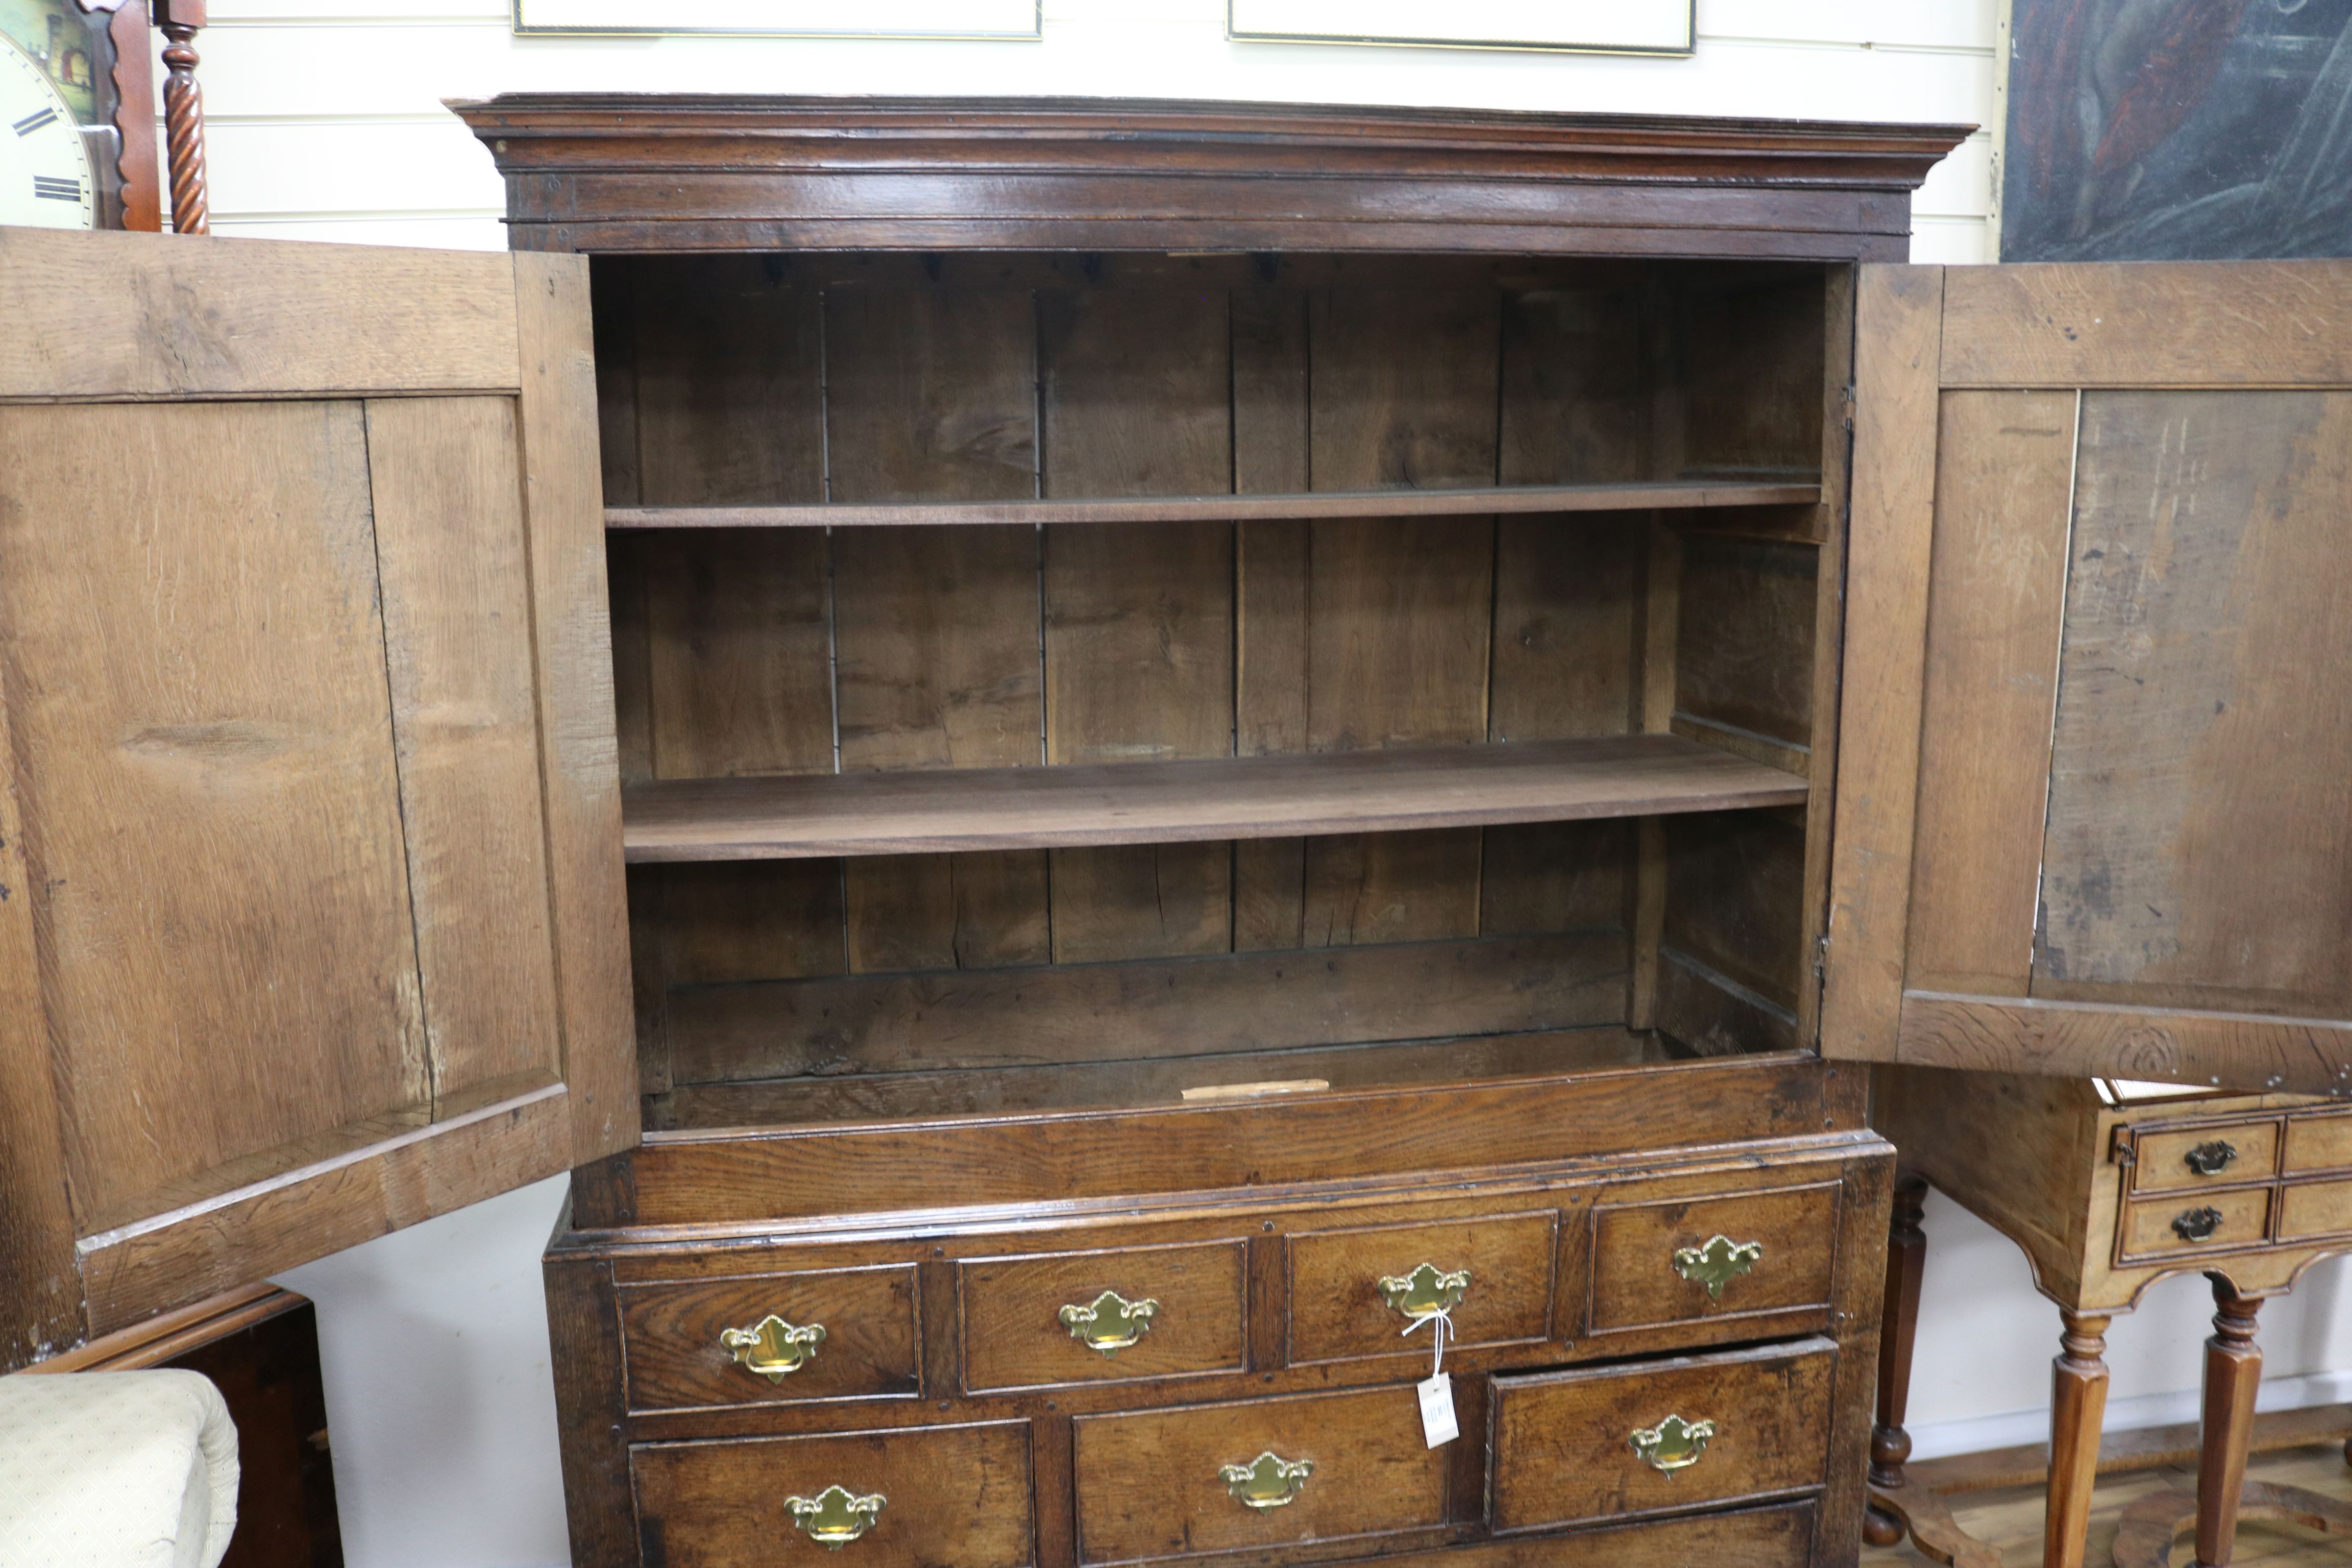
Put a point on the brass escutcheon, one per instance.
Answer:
(1717, 1263)
(1110, 1322)
(2196, 1223)
(2210, 1159)
(1424, 1292)
(1267, 1481)
(772, 1347)
(835, 1516)
(1672, 1444)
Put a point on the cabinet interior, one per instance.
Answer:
(816, 951)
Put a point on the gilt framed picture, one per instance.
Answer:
(788, 18)
(1581, 27)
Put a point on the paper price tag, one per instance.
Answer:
(1437, 1422)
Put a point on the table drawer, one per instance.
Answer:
(937, 1497)
(1353, 1292)
(1569, 1447)
(2318, 1144)
(1169, 1483)
(844, 1333)
(1734, 1256)
(2195, 1222)
(1109, 1315)
(2209, 1156)
(2312, 1209)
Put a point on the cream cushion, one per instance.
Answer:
(115, 1469)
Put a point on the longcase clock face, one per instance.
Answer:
(46, 177)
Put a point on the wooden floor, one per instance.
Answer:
(2010, 1518)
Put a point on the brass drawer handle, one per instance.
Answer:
(1267, 1481)
(2210, 1159)
(772, 1347)
(1717, 1263)
(1672, 1444)
(1426, 1292)
(835, 1516)
(1110, 1322)
(2196, 1223)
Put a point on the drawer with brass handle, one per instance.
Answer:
(921, 1497)
(2206, 1156)
(772, 1339)
(1735, 1256)
(1256, 1474)
(1111, 1315)
(1688, 1432)
(1355, 1292)
(2194, 1222)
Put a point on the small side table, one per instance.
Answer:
(2108, 1188)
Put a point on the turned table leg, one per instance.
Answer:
(2078, 1408)
(2234, 1370)
(1906, 1259)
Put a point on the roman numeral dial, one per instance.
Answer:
(47, 180)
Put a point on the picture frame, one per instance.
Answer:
(1666, 28)
(1008, 20)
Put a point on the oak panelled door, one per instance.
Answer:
(310, 912)
(2094, 807)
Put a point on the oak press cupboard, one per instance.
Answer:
(1084, 758)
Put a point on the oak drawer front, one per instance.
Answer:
(1054, 1318)
(2313, 1209)
(1690, 1259)
(951, 1496)
(2195, 1222)
(1154, 1484)
(2210, 1156)
(2318, 1144)
(843, 1334)
(1341, 1282)
(1737, 1424)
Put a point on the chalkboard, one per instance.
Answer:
(2167, 130)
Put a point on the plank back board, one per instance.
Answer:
(2105, 733)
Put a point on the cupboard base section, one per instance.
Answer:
(1658, 1354)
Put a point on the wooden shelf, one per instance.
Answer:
(807, 816)
(1640, 495)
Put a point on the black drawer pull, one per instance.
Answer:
(2210, 1159)
(2196, 1223)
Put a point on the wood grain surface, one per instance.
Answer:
(957, 1497)
(778, 817)
(937, 1020)
(2004, 505)
(670, 1335)
(1373, 1475)
(1562, 1452)
(1008, 1312)
(2200, 840)
(1898, 325)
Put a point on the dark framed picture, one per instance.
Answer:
(2157, 129)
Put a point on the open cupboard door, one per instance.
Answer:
(312, 921)
(2094, 809)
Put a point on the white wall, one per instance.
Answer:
(325, 124)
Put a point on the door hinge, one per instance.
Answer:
(1845, 401)
(1822, 957)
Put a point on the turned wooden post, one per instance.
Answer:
(2078, 1408)
(1906, 1261)
(183, 114)
(2234, 1370)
